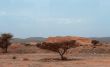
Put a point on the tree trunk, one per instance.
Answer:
(62, 54)
(63, 58)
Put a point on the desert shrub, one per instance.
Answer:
(27, 44)
(60, 47)
(95, 42)
(14, 57)
(5, 41)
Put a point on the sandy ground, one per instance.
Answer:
(39, 60)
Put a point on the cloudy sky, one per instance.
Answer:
(43, 18)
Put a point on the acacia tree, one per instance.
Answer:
(61, 47)
(5, 41)
(94, 42)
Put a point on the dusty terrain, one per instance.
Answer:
(31, 56)
(20, 55)
(39, 60)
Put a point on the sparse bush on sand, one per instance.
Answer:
(95, 42)
(14, 57)
(25, 44)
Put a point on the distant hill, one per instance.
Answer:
(80, 40)
(30, 39)
(40, 39)
(102, 39)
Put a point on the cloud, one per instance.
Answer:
(61, 20)
(2, 13)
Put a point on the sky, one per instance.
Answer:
(44, 18)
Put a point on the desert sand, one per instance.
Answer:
(45, 60)
(31, 56)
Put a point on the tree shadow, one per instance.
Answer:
(59, 60)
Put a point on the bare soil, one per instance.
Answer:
(31, 56)
(50, 60)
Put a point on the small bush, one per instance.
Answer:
(14, 57)
(26, 44)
